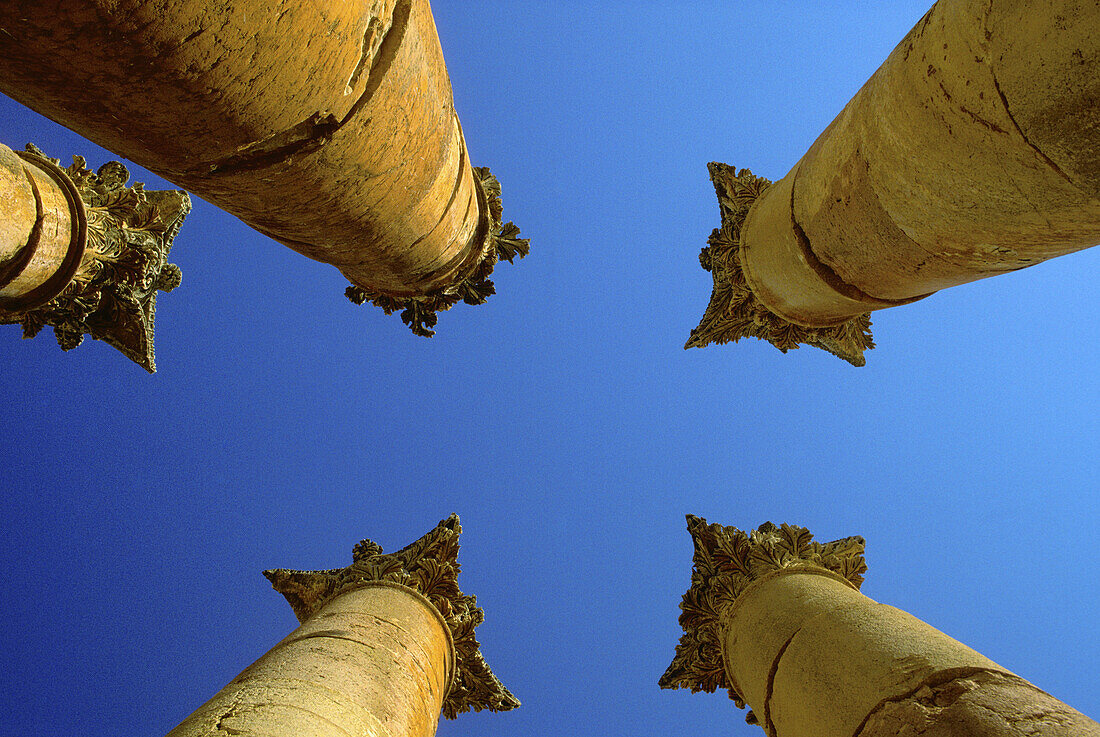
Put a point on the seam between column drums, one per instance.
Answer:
(828, 275)
(319, 128)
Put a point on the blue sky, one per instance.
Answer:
(562, 420)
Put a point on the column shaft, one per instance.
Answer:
(812, 655)
(973, 150)
(375, 661)
(328, 126)
(777, 619)
(42, 231)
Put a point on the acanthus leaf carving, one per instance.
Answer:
(726, 560)
(501, 242)
(112, 296)
(734, 311)
(430, 567)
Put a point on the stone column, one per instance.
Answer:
(974, 150)
(385, 645)
(329, 126)
(778, 620)
(84, 252)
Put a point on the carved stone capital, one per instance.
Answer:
(430, 567)
(497, 242)
(734, 311)
(726, 561)
(113, 294)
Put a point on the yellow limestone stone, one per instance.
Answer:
(385, 645)
(778, 620)
(974, 150)
(328, 126)
(42, 231)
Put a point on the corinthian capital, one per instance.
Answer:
(430, 567)
(726, 561)
(122, 235)
(735, 311)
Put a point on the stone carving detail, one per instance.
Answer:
(734, 311)
(726, 560)
(501, 243)
(429, 566)
(113, 295)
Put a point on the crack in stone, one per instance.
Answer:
(936, 680)
(12, 269)
(768, 726)
(1036, 149)
(309, 135)
(372, 39)
(387, 52)
(230, 712)
(320, 127)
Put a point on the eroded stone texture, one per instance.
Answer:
(375, 661)
(328, 126)
(778, 620)
(974, 150)
(982, 704)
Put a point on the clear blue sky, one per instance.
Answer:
(562, 420)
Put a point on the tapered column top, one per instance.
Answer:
(430, 567)
(726, 562)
